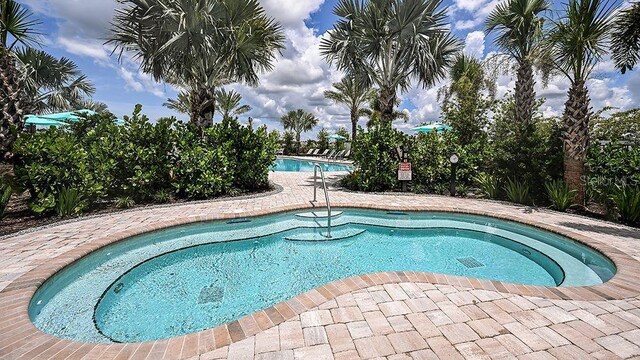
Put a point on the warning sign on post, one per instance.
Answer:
(404, 171)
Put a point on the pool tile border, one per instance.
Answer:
(20, 338)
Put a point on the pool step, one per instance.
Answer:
(318, 214)
(320, 234)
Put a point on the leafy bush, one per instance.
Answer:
(69, 202)
(627, 201)
(517, 191)
(5, 196)
(103, 161)
(163, 196)
(532, 153)
(430, 153)
(375, 158)
(560, 195)
(289, 143)
(125, 202)
(251, 153)
(323, 140)
(52, 160)
(200, 171)
(488, 185)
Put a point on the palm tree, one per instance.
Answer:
(298, 121)
(55, 84)
(17, 27)
(467, 77)
(625, 38)
(181, 104)
(520, 32)
(390, 44)
(229, 103)
(464, 104)
(354, 96)
(374, 112)
(198, 44)
(578, 41)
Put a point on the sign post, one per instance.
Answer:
(404, 174)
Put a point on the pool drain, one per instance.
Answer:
(470, 262)
(211, 294)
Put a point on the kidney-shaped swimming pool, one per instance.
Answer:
(193, 277)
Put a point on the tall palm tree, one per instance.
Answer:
(625, 38)
(228, 103)
(354, 96)
(55, 84)
(578, 41)
(519, 29)
(390, 44)
(198, 44)
(18, 27)
(298, 121)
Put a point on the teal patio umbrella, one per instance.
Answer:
(437, 127)
(59, 119)
(39, 121)
(336, 137)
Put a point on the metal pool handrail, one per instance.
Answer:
(317, 166)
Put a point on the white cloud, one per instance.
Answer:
(474, 44)
(140, 82)
(83, 47)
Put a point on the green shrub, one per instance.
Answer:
(103, 161)
(200, 171)
(517, 191)
(560, 195)
(289, 143)
(163, 196)
(125, 202)
(52, 160)
(430, 154)
(532, 153)
(488, 185)
(250, 153)
(69, 202)
(627, 201)
(5, 196)
(375, 158)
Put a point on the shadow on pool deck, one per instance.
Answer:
(609, 230)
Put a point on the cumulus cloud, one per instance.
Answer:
(474, 44)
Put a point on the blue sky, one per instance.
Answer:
(77, 29)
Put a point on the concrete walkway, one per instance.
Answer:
(387, 315)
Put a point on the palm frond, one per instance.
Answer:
(625, 38)
(18, 25)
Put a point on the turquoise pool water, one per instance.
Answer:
(306, 166)
(189, 278)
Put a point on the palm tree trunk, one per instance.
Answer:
(387, 102)
(354, 125)
(298, 141)
(576, 138)
(202, 106)
(14, 103)
(524, 93)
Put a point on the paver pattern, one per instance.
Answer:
(387, 315)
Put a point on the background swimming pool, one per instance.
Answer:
(190, 278)
(306, 166)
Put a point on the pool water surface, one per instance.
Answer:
(189, 278)
(307, 166)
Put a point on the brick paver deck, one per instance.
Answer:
(386, 315)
